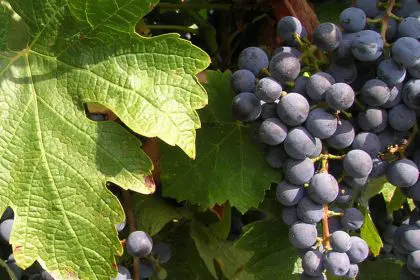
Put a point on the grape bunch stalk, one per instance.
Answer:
(334, 112)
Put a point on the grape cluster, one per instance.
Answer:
(334, 112)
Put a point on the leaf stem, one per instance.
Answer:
(132, 224)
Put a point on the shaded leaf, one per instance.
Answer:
(153, 213)
(230, 165)
(222, 228)
(374, 187)
(370, 234)
(274, 257)
(219, 255)
(379, 269)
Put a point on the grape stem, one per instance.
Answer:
(325, 228)
(326, 157)
(334, 214)
(308, 50)
(384, 26)
(131, 220)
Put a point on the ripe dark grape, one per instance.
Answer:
(353, 19)
(358, 251)
(302, 235)
(162, 252)
(323, 188)
(403, 173)
(253, 59)
(321, 124)
(413, 262)
(139, 244)
(373, 119)
(358, 163)
(293, 109)
(409, 27)
(275, 156)
(375, 92)
(272, 132)
(318, 84)
(367, 45)
(243, 81)
(6, 229)
(299, 143)
(340, 96)
(289, 215)
(123, 273)
(368, 142)
(343, 136)
(401, 118)
(309, 211)
(353, 271)
(246, 107)
(368, 6)
(299, 172)
(336, 263)
(268, 89)
(312, 263)
(340, 241)
(284, 67)
(352, 219)
(289, 194)
(406, 51)
(327, 37)
(391, 72)
(411, 94)
(288, 26)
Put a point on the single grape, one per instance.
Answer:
(368, 142)
(367, 45)
(411, 94)
(268, 89)
(246, 107)
(353, 19)
(402, 173)
(272, 132)
(390, 72)
(288, 194)
(309, 211)
(293, 109)
(334, 224)
(162, 252)
(340, 241)
(312, 263)
(409, 27)
(243, 81)
(409, 238)
(357, 163)
(299, 172)
(139, 244)
(299, 143)
(343, 54)
(406, 51)
(369, 7)
(343, 136)
(352, 219)
(340, 96)
(353, 271)
(413, 262)
(302, 235)
(284, 67)
(394, 97)
(288, 26)
(321, 124)
(289, 215)
(323, 188)
(6, 229)
(7, 214)
(120, 227)
(253, 59)
(359, 250)
(336, 263)
(327, 37)
(318, 84)
(345, 194)
(373, 119)
(343, 73)
(407, 7)
(375, 92)
(318, 148)
(275, 156)
(300, 85)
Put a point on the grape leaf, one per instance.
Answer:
(370, 234)
(153, 213)
(229, 165)
(274, 257)
(380, 269)
(374, 187)
(220, 256)
(55, 161)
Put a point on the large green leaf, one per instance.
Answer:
(55, 161)
(380, 269)
(370, 234)
(274, 257)
(230, 164)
